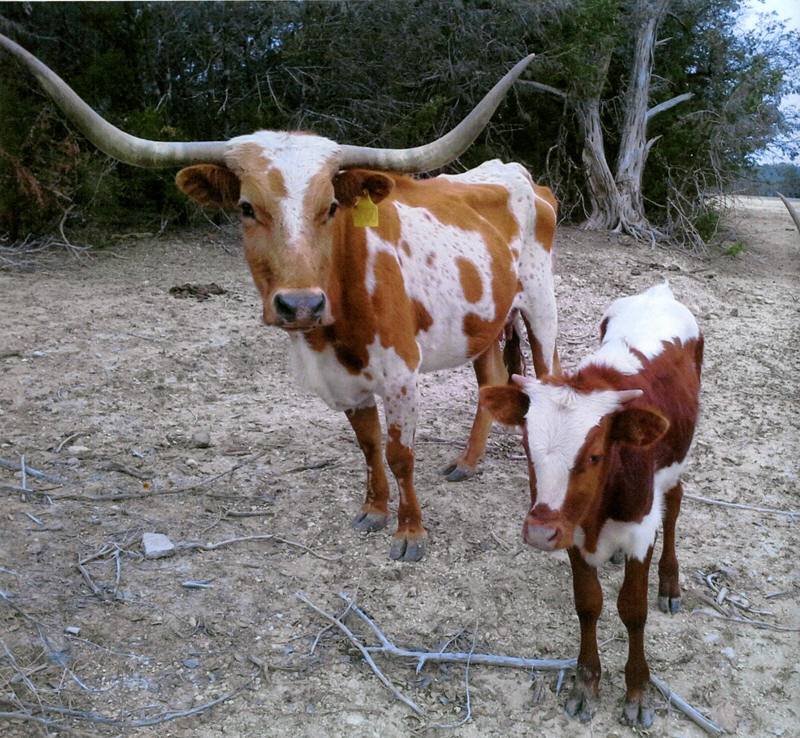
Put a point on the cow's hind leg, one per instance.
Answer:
(374, 512)
(669, 590)
(489, 369)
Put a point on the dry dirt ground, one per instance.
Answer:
(181, 417)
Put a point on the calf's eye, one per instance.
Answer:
(334, 207)
(595, 459)
(247, 210)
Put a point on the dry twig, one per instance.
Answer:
(422, 657)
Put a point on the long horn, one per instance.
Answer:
(443, 150)
(108, 138)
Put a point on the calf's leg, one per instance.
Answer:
(632, 607)
(669, 590)
(582, 700)
(374, 513)
(489, 369)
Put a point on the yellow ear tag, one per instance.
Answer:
(365, 213)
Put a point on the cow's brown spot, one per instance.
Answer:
(471, 284)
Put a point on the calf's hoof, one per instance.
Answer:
(456, 472)
(617, 558)
(637, 712)
(369, 521)
(581, 704)
(406, 547)
(668, 604)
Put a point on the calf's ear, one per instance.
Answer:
(638, 426)
(350, 184)
(506, 403)
(209, 184)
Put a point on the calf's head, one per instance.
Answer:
(291, 196)
(569, 436)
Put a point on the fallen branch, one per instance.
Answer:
(265, 537)
(747, 621)
(15, 465)
(740, 506)
(422, 657)
(792, 211)
(694, 715)
(341, 626)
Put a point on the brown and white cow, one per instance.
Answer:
(606, 446)
(428, 282)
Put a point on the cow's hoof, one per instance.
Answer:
(406, 549)
(580, 704)
(670, 605)
(456, 472)
(637, 712)
(617, 558)
(368, 522)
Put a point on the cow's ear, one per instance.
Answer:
(506, 403)
(209, 184)
(350, 184)
(638, 426)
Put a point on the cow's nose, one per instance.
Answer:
(299, 308)
(540, 536)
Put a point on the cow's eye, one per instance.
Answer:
(334, 207)
(595, 459)
(247, 210)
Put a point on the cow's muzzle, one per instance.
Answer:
(300, 309)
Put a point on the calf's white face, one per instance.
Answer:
(567, 435)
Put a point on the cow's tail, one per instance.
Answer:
(513, 357)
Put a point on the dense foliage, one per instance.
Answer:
(381, 73)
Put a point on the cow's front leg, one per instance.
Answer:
(669, 590)
(582, 700)
(374, 512)
(632, 606)
(489, 369)
(400, 404)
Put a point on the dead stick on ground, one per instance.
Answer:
(341, 626)
(559, 665)
(739, 506)
(14, 465)
(265, 537)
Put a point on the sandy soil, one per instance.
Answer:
(179, 416)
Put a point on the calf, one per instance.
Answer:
(606, 446)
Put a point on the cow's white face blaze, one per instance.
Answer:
(288, 207)
(567, 435)
(289, 191)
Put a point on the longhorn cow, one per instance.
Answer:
(429, 282)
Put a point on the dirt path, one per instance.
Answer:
(134, 396)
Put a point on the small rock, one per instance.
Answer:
(191, 663)
(200, 439)
(157, 546)
(72, 630)
(78, 451)
(729, 653)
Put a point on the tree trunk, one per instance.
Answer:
(602, 190)
(634, 147)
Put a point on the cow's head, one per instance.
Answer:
(287, 186)
(569, 438)
(290, 191)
